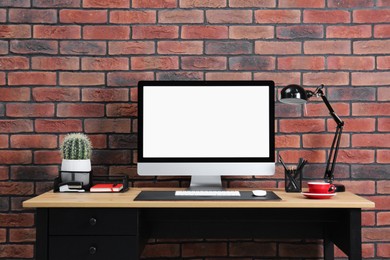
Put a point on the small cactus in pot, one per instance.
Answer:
(76, 152)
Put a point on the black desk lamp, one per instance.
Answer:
(295, 94)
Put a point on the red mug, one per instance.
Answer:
(321, 187)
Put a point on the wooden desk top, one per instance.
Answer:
(126, 200)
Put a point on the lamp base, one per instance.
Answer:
(339, 187)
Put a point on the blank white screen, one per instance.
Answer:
(206, 121)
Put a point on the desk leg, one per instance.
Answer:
(328, 248)
(42, 234)
(355, 234)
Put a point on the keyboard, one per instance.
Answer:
(209, 193)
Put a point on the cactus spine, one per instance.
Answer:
(76, 146)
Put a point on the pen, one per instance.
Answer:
(281, 160)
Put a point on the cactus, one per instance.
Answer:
(76, 146)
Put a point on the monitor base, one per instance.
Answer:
(199, 182)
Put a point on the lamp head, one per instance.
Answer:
(293, 94)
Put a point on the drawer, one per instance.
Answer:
(92, 248)
(92, 221)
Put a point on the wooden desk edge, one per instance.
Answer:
(126, 200)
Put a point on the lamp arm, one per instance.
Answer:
(331, 162)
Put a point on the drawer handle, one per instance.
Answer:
(92, 221)
(92, 250)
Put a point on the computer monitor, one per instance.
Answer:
(206, 129)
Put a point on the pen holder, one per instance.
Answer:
(293, 180)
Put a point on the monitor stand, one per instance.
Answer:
(209, 182)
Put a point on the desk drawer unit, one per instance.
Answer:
(89, 233)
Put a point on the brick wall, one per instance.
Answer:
(72, 66)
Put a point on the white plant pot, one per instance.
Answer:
(76, 170)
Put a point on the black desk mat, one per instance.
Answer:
(170, 196)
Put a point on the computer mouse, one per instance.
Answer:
(259, 193)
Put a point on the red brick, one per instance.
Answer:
(204, 32)
(204, 249)
(3, 235)
(327, 47)
(3, 15)
(202, 3)
(351, 94)
(370, 140)
(34, 46)
(370, 109)
(356, 156)
(121, 110)
(80, 110)
(2, 78)
(375, 234)
(350, 3)
(161, 250)
(57, 32)
(106, 32)
(107, 125)
(251, 32)
(313, 156)
(4, 140)
(133, 17)
(383, 62)
(20, 251)
(383, 3)
(286, 110)
(368, 218)
(326, 78)
(180, 75)
(47, 157)
(15, 31)
(274, 47)
(32, 78)
(180, 47)
(155, 32)
(33, 141)
(381, 203)
(55, 63)
(383, 187)
(154, 3)
(370, 78)
(83, 16)
(280, 78)
(32, 16)
(384, 124)
(98, 141)
(16, 126)
(383, 156)
(29, 110)
(383, 250)
(228, 76)
(83, 47)
(14, 63)
(301, 125)
(14, 94)
(58, 125)
(16, 188)
(355, 124)
(323, 140)
(371, 16)
(22, 235)
(351, 63)
(228, 47)
(319, 109)
(287, 141)
(371, 47)
(127, 78)
(324, 17)
(252, 63)
(56, 3)
(302, 3)
(15, 157)
(106, 3)
(4, 47)
(277, 16)
(252, 3)
(15, 3)
(137, 47)
(252, 248)
(159, 63)
(348, 32)
(383, 219)
(105, 95)
(181, 16)
(81, 78)
(382, 31)
(229, 16)
(56, 94)
(204, 63)
(105, 64)
(301, 63)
